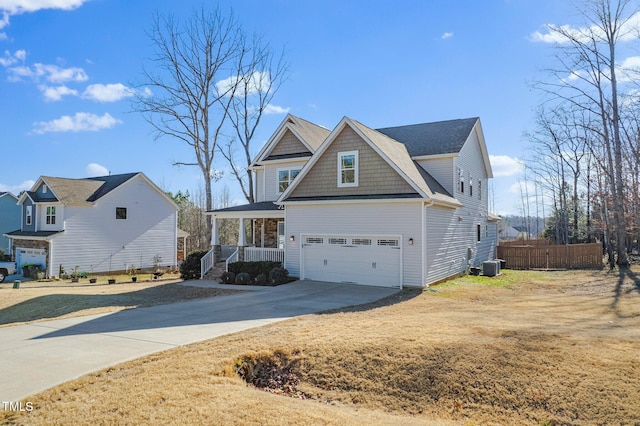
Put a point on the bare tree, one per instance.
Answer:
(586, 80)
(197, 76)
(261, 75)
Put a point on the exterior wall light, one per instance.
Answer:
(410, 241)
(292, 238)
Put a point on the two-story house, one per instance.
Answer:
(97, 224)
(9, 219)
(399, 206)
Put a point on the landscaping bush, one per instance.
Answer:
(278, 275)
(190, 267)
(228, 278)
(261, 279)
(253, 268)
(243, 278)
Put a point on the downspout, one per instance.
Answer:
(424, 241)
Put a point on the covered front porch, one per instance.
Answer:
(260, 234)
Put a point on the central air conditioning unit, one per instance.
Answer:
(491, 268)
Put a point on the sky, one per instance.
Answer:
(68, 67)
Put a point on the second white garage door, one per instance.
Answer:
(370, 260)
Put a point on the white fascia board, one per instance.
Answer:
(367, 201)
(436, 156)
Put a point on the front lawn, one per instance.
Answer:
(525, 348)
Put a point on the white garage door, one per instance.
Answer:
(30, 256)
(370, 260)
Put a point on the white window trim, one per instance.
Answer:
(50, 218)
(29, 215)
(355, 168)
(284, 169)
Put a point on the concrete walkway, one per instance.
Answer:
(37, 356)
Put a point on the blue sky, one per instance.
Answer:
(67, 67)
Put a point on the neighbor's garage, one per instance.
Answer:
(32, 256)
(360, 259)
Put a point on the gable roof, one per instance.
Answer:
(7, 194)
(81, 191)
(441, 137)
(393, 152)
(311, 135)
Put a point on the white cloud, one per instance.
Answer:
(81, 122)
(10, 59)
(107, 92)
(51, 73)
(95, 169)
(255, 82)
(52, 94)
(274, 109)
(17, 7)
(15, 189)
(446, 35)
(552, 33)
(503, 165)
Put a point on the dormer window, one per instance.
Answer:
(44, 189)
(348, 168)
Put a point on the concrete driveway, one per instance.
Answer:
(37, 356)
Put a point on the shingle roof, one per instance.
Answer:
(263, 205)
(312, 134)
(79, 191)
(441, 137)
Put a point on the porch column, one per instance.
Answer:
(215, 234)
(242, 239)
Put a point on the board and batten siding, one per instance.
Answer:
(375, 175)
(95, 241)
(270, 174)
(390, 218)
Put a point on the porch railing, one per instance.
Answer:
(257, 254)
(231, 259)
(206, 263)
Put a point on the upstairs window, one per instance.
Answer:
(121, 212)
(51, 215)
(285, 177)
(479, 189)
(28, 215)
(470, 186)
(460, 177)
(348, 168)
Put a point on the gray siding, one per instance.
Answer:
(289, 144)
(452, 234)
(395, 218)
(270, 174)
(442, 170)
(9, 220)
(375, 174)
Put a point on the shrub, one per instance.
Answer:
(278, 275)
(253, 268)
(228, 278)
(243, 278)
(190, 267)
(261, 279)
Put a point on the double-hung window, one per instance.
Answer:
(28, 215)
(51, 215)
(285, 177)
(348, 168)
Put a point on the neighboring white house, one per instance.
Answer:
(399, 206)
(97, 224)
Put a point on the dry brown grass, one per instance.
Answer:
(525, 348)
(36, 301)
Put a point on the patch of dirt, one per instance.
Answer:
(275, 372)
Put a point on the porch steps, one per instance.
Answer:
(215, 272)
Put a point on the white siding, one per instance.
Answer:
(452, 234)
(391, 218)
(259, 182)
(95, 241)
(442, 170)
(271, 176)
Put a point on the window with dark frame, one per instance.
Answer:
(479, 232)
(121, 212)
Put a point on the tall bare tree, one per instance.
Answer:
(262, 72)
(586, 80)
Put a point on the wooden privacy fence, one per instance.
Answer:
(573, 256)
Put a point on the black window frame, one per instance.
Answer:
(119, 213)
